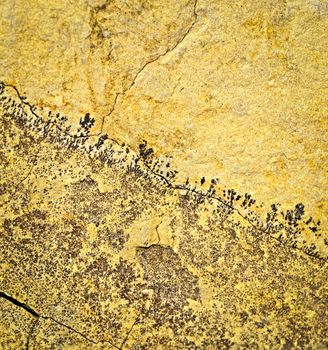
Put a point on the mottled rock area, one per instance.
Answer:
(164, 174)
(101, 247)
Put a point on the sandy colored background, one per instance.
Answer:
(101, 246)
(235, 90)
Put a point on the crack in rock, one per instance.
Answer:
(130, 331)
(200, 195)
(34, 313)
(167, 51)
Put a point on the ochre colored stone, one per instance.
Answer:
(163, 174)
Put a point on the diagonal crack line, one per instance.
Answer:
(78, 332)
(168, 50)
(178, 187)
(38, 316)
(129, 332)
(19, 304)
(181, 187)
(118, 94)
(144, 66)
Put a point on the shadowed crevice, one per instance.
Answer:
(19, 304)
(38, 316)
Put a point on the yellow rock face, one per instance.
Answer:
(235, 91)
(164, 174)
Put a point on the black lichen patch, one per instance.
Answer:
(55, 129)
(63, 231)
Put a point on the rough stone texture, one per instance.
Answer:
(110, 236)
(16, 326)
(231, 90)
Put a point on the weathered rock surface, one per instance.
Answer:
(136, 136)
